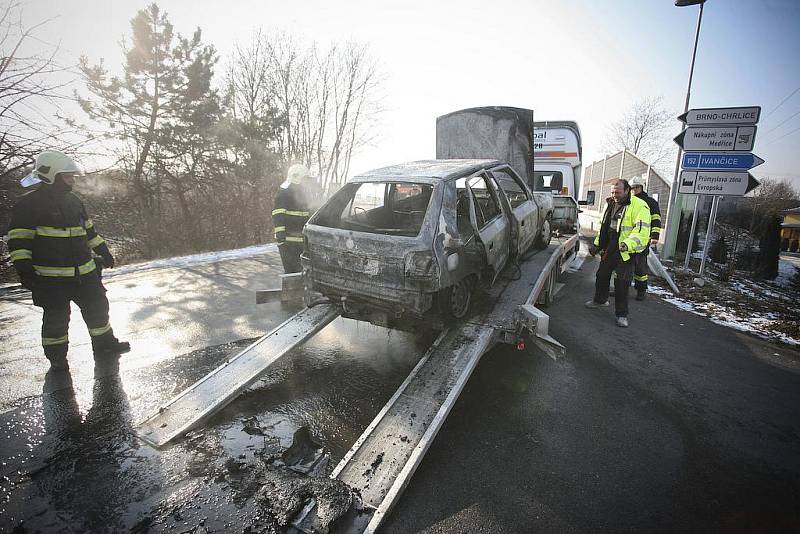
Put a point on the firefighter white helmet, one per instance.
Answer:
(48, 164)
(298, 173)
(640, 181)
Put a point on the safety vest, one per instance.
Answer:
(51, 235)
(290, 214)
(633, 227)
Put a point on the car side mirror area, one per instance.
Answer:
(452, 243)
(590, 198)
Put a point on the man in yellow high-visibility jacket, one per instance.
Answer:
(624, 233)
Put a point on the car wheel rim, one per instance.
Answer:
(459, 299)
(546, 232)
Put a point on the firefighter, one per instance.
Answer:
(53, 244)
(624, 233)
(638, 186)
(293, 205)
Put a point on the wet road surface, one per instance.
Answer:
(70, 462)
(696, 430)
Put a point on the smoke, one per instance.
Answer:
(101, 185)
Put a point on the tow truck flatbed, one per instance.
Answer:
(381, 462)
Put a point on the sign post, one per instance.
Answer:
(716, 160)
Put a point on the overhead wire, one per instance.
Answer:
(782, 123)
(785, 135)
(782, 102)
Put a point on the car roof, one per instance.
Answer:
(427, 171)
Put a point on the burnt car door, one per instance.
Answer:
(489, 220)
(520, 201)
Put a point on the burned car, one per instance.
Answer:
(415, 239)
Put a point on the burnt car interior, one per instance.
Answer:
(487, 206)
(391, 208)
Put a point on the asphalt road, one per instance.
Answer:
(673, 425)
(696, 429)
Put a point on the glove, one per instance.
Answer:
(108, 259)
(593, 250)
(28, 280)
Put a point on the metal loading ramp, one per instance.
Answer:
(380, 464)
(214, 391)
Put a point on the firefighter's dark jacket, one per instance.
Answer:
(51, 235)
(290, 214)
(655, 214)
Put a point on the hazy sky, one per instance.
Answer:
(585, 60)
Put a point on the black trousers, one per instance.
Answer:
(640, 274)
(290, 256)
(54, 297)
(611, 262)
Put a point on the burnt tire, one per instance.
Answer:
(453, 302)
(543, 239)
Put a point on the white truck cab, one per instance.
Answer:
(557, 154)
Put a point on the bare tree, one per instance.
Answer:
(324, 102)
(31, 90)
(768, 200)
(643, 131)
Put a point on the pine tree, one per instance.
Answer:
(159, 110)
(719, 250)
(769, 250)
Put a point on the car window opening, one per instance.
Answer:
(511, 188)
(391, 208)
(486, 204)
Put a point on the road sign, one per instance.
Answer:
(716, 161)
(720, 183)
(717, 138)
(720, 116)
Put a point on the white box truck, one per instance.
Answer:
(557, 154)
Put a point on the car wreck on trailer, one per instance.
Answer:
(414, 240)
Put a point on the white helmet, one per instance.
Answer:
(298, 173)
(640, 181)
(47, 165)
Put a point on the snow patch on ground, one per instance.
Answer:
(194, 259)
(759, 324)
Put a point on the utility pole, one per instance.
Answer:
(673, 215)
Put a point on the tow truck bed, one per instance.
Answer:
(381, 462)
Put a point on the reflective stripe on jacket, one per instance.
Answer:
(290, 214)
(655, 214)
(633, 227)
(50, 234)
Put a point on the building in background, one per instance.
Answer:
(790, 229)
(597, 179)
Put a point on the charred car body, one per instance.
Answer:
(413, 240)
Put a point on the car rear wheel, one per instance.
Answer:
(454, 301)
(543, 239)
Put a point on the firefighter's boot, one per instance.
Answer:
(108, 345)
(57, 354)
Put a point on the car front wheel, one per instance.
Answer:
(543, 239)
